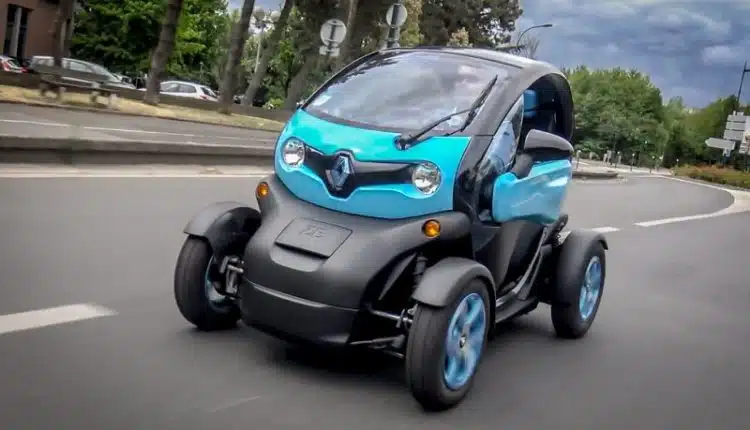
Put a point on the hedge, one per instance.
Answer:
(718, 175)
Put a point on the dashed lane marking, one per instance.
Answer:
(51, 316)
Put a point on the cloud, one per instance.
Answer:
(690, 48)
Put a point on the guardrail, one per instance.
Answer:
(71, 151)
(32, 81)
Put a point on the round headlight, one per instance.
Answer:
(426, 178)
(293, 152)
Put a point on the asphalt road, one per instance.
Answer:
(35, 121)
(669, 348)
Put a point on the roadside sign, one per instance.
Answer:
(720, 143)
(332, 32)
(399, 11)
(331, 52)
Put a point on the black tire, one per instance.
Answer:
(426, 351)
(190, 293)
(567, 318)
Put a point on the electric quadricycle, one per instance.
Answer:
(416, 202)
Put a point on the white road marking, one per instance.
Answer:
(134, 131)
(50, 124)
(51, 316)
(30, 171)
(130, 175)
(740, 204)
(233, 403)
(605, 229)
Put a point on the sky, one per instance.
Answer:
(690, 48)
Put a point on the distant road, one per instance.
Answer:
(35, 121)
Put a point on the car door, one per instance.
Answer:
(76, 66)
(537, 194)
(187, 90)
(169, 88)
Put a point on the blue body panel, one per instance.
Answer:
(392, 201)
(537, 197)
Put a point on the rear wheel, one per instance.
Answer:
(194, 291)
(445, 348)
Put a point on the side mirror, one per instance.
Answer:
(540, 146)
(543, 146)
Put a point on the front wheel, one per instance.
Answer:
(445, 348)
(573, 320)
(194, 292)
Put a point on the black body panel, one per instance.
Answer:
(442, 282)
(307, 279)
(226, 225)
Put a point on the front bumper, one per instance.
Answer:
(307, 269)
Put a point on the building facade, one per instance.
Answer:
(26, 27)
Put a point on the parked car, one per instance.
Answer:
(10, 64)
(190, 90)
(80, 66)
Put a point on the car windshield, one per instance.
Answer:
(405, 91)
(12, 62)
(207, 91)
(99, 70)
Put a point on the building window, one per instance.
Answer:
(16, 29)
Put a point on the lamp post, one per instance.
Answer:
(745, 70)
(266, 22)
(520, 36)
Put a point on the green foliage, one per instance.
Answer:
(122, 34)
(618, 109)
(119, 35)
(488, 22)
(716, 175)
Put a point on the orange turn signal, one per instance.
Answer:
(262, 190)
(431, 228)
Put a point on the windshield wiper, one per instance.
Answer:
(407, 139)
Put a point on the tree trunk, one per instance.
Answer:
(239, 37)
(163, 51)
(297, 85)
(346, 44)
(63, 13)
(267, 54)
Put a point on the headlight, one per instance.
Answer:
(293, 152)
(426, 178)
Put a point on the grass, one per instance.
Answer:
(126, 106)
(717, 175)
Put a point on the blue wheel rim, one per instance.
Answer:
(591, 288)
(215, 299)
(464, 341)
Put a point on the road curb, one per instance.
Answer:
(133, 114)
(19, 149)
(582, 174)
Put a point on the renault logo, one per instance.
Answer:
(342, 168)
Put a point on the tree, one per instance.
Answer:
(488, 22)
(120, 35)
(60, 30)
(267, 53)
(203, 25)
(163, 50)
(239, 36)
(459, 37)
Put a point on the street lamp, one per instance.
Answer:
(265, 22)
(745, 70)
(520, 36)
